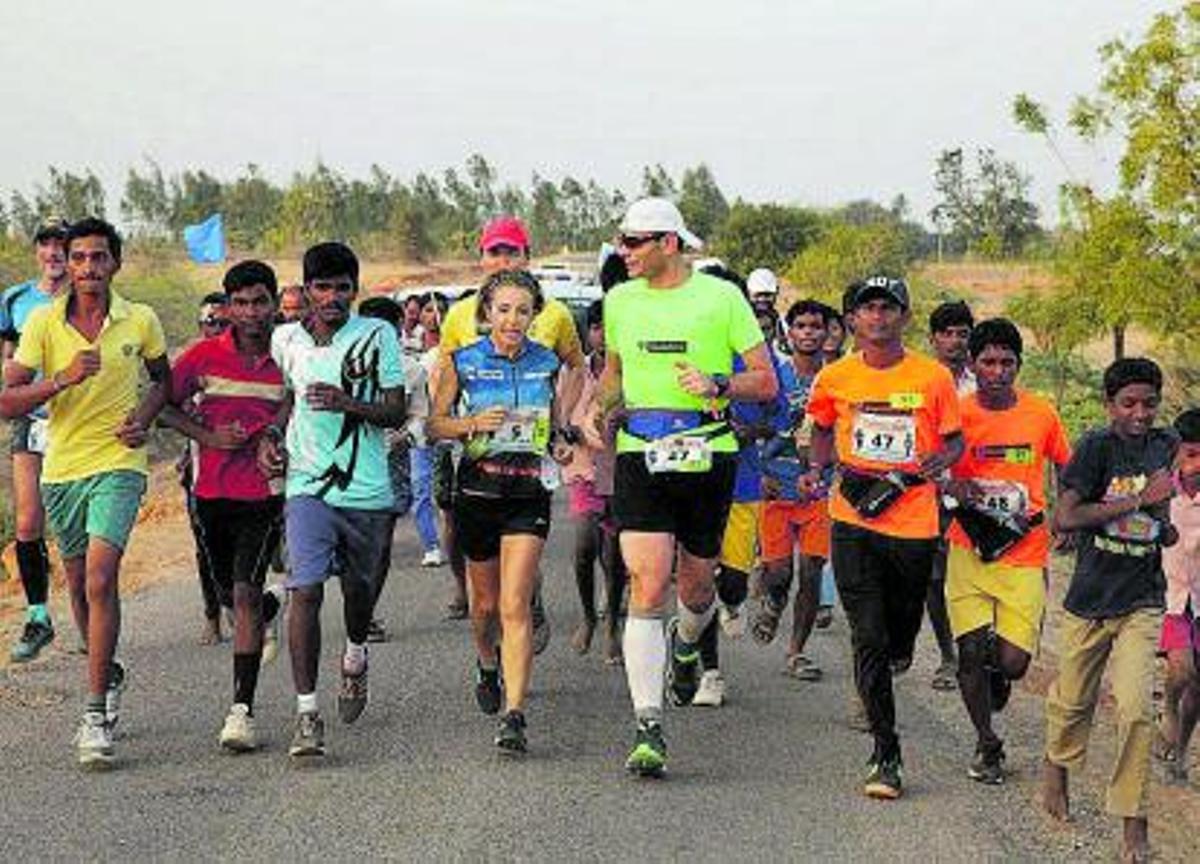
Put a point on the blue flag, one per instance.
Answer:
(206, 241)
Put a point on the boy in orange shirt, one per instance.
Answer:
(999, 540)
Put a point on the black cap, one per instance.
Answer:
(881, 287)
(52, 230)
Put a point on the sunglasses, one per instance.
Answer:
(503, 250)
(636, 241)
(219, 323)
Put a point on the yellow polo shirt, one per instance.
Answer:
(84, 419)
(553, 327)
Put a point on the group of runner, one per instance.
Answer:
(700, 437)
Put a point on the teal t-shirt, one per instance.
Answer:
(336, 457)
(703, 322)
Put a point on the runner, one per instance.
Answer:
(838, 330)
(504, 245)
(671, 335)
(88, 346)
(504, 383)
(789, 522)
(293, 304)
(1180, 638)
(345, 385)
(999, 540)
(225, 391)
(28, 445)
(1116, 493)
(892, 415)
(949, 329)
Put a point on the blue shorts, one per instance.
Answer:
(323, 540)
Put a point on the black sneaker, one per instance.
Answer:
(377, 631)
(510, 736)
(487, 689)
(988, 765)
(884, 780)
(1001, 689)
(648, 758)
(683, 674)
(36, 636)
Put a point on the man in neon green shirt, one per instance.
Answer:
(671, 336)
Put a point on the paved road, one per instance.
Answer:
(775, 774)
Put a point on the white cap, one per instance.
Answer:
(762, 281)
(654, 215)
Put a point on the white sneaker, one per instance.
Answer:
(93, 742)
(433, 558)
(271, 630)
(732, 622)
(112, 696)
(238, 732)
(711, 693)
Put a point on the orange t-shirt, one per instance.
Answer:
(887, 419)
(1006, 451)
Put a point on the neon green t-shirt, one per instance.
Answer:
(703, 322)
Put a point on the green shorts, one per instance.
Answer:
(103, 505)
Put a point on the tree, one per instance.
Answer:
(701, 202)
(657, 183)
(846, 252)
(146, 204)
(251, 206)
(987, 212)
(765, 235)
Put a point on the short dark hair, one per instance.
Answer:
(952, 313)
(90, 226)
(245, 274)
(1131, 370)
(613, 272)
(723, 272)
(595, 313)
(383, 308)
(214, 298)
(999, 332)
(330, 260)
(520, 279)
(848, 295)
(807, 307)
(48, 231)
(1187, 425)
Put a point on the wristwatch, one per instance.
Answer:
(721, 382)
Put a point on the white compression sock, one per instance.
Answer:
(692, 624)
(306, 703)
(355, 658)
(645, 647)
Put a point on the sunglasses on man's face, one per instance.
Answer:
(636, 241)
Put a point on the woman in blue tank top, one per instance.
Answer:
(497, 395)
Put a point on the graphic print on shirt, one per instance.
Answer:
(360, 380)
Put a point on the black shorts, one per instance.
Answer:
(481, 522)
(692, 507)
(238, 538)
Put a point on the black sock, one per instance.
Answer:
(270, 607)
(245, 678)
(709, 653)
(34, 564)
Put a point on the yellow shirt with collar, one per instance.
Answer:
(84, 419)
(553, 327)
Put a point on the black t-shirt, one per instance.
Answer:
(1118, 566)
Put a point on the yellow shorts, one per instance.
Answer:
(980, 595)
(739, 545)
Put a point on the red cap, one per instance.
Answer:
(504, 231)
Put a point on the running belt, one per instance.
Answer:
(651, 424)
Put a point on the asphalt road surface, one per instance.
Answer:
(774, 775)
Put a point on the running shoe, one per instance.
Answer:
(733, 623)
(238, 733)
(1001, 689)
(802, 668)
(36, 636)
(272, 629)
(824, 618)
(541, 625)
(352, 698)
(487, 689)
(766, 622)
(711, 693)
(649, 755)
(112, 696)
(683, 673)
(510, 736)
(376, 631)
(309, 737)
(93, 742)
(433, 558)
(884, 780)
(987, 766)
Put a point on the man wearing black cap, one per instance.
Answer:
(28, 444)
(891, 415)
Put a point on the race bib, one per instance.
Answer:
(39, 435)
(1002, 498)
(521, 432)
(888, 438)
(679, 454)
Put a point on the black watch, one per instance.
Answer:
(721, 382)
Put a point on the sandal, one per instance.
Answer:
(766, 622)
(456, 610)
(802, 669)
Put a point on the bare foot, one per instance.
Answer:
(581, 639)
(210, 633)
(1054, 791)
(1135, 844)
(612, 647)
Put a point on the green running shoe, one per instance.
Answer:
(649, 755)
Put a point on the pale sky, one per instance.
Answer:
(806, 101)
